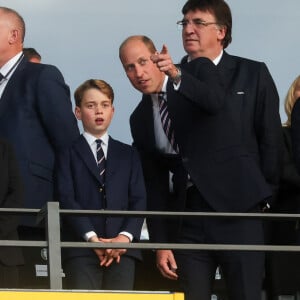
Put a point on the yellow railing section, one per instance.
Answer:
(84, 295)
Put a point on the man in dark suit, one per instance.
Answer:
(35, 117)
(229, 148)
(11, 196)
(115, 184)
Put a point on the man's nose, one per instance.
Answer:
(189, 27)
(139, 71)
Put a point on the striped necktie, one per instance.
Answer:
(166, 121)
(100, 160)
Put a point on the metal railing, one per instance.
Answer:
(53, 242)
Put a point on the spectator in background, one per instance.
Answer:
(87, 180)
(294, 94)
(35, 117)
(32, 55)
(289, 191)
(11, 196)
(283, 274)
(229, 145)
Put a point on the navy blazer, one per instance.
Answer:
(230, 141)
(11, 196)
(79, 186)
(36, 118)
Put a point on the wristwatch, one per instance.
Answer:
(177, 78)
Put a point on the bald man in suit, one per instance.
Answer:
(36, 118)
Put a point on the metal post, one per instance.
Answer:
(54, 249)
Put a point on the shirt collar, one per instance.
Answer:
(91, 139)
(5, 68)
(164, 87)
(218, 58)
(215, 61)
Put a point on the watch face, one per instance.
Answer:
(44, 253)
(177, 78)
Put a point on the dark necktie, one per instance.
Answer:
(1, 77)
(100, 160)
(166, 121)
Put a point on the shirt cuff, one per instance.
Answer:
(129, 235)
(176, 86)
(89, 234)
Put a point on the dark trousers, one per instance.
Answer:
(9, 277)
(85, 273)
(32, 256)
(243, 270)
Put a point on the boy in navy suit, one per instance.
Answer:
(98, 172)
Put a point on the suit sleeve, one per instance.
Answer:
(137, 196)
(65, 194)
(55, 108)
(202, 85)
(14, 195)
(268, 128)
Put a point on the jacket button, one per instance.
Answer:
(101, 190)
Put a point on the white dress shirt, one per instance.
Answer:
(161, 140)
(8, 69)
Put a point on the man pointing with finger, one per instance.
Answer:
(167, 180)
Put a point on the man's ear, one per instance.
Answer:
(78, 113)
(13, 36)
(221, 32)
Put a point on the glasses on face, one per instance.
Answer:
(198, 23)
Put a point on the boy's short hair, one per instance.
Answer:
(98, 84)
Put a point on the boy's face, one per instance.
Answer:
(96, 112)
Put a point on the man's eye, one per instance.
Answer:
(198, 22)
(129, 68)
(143, 62)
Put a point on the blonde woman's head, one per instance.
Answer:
(292, 95)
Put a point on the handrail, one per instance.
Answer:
(52, 212)
(268, 216)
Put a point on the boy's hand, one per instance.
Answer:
(113, 254)
(99, 252)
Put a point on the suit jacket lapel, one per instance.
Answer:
(227, 68)
(112, 159)
(14, 85)
(84, 152)
(146, 118)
